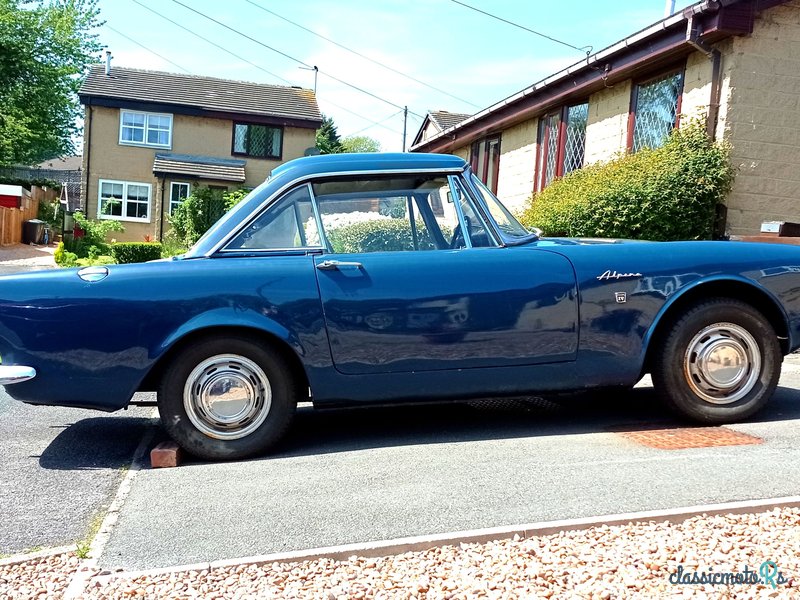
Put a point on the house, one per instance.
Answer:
(150, 137)
(435, 122)
(733, 63)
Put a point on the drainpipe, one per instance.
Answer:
(87, 148)
(693, 38)
(160, 232)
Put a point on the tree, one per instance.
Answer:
(45, 50)
(328, 141)
(360, 143)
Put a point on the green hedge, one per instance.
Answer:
(669, 193)
(379, 235)
(135, 252)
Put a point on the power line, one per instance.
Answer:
(130, 39)
(359, 54)
(223, 48)
(251, 63)
(290, 57)
(586, 49)
(391, 116)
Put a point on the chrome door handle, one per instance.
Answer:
(335, 265)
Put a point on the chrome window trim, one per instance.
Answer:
(219, 246)
(478, 211)
(323, 237)
(503, 239)
(258, 213)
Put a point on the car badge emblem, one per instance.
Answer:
(614, 275)
(622, 297)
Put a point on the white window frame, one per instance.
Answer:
(188, 193)
(147, 116)
(125, 185)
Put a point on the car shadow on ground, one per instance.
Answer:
(316, 432)
(109, 442)
(96, 443)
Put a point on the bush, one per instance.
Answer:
(379, 235)
(135, 252)
(669, 193)
(197, 213)
(171, 245)
(64, 258)
(93, 243)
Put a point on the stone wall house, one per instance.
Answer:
(150, 137)
(733, 63)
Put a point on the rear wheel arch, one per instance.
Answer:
(154, 377)
(726, 289)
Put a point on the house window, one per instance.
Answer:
(258, 141)
(145, 129)
(485, 161)
(124, 200)
(561, 143)
(655, 106)
(178, 192)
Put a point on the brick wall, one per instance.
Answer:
(607, 127)
(763, 121)
(517, 164)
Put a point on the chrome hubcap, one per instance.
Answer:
(227, 396)
(722, 363)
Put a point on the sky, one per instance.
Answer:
(463, 61)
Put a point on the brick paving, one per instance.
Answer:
(689, 437)
(27, 256)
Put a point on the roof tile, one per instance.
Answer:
(207, 93)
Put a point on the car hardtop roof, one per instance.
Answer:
(368, 161)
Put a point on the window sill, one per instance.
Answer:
(143, 145)
(123, 219)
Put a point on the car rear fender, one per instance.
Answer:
(731, 286)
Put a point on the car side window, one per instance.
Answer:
(475, 226)
(391, 214)
(287, 223)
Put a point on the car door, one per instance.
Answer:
(413, 279)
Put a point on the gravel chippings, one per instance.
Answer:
(41, 578)
(631, 561)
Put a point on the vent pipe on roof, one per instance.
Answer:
(669, 8)
(108, 62)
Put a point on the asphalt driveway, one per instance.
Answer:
(365, 475)
(60, 469)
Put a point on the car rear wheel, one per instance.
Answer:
(719, 363)
(227, 398)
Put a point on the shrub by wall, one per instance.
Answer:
(135, 252)
(669, 193)
(197, 213)
(378, 235)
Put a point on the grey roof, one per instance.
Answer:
(65, 163)
(444, 119)
(207, 93)
(205, 167)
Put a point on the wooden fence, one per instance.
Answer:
(11, 219)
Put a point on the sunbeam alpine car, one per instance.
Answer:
(385, 278)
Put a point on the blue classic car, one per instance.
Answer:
(359, 279)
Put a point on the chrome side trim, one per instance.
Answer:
(15, 374)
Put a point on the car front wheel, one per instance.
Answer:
(719, 363)
(227, 398)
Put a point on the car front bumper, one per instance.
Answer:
(15, 374)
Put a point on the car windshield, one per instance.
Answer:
(508, 225)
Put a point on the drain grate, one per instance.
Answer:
(689, 437)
